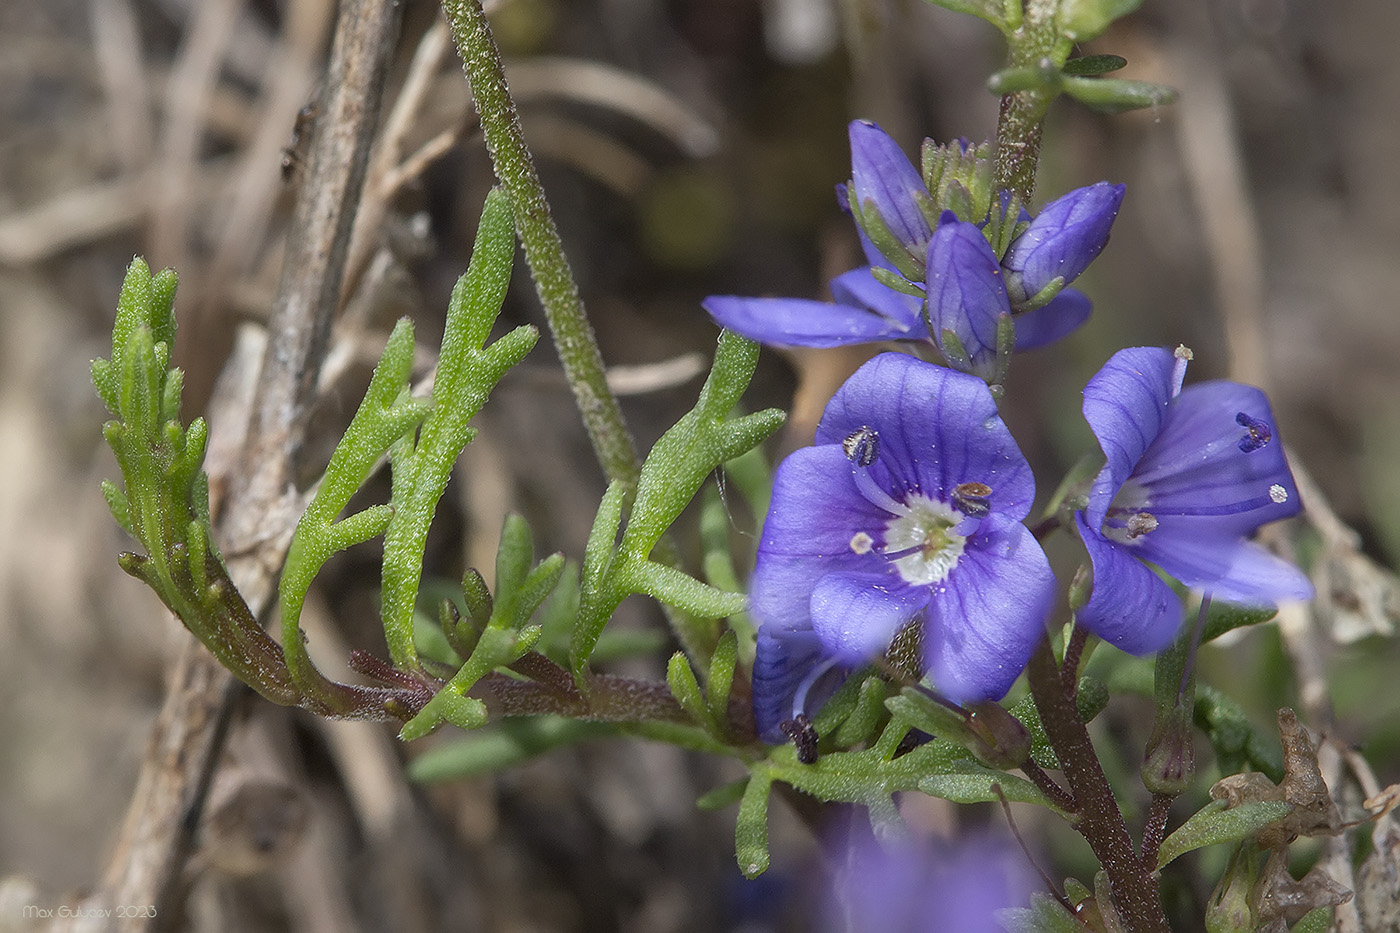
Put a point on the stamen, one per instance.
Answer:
(799, 698)
(1276, 495)
(873, 493)
(973, 499)
(1140, 523)
(862, 446)
(1259, 433)
(1191, 459)
(1126, 526)
(1183, 356)
(804, 736)
(862, 543)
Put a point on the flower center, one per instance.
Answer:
(1128, 518)
(925, 539)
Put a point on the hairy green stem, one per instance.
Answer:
(1135, 887)
(568, 323)
(573, 337)
(1021, 119)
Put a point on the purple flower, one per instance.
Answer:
(1062, 240)
(1191, 473)
(908, 887)
(865, 312)
(966, 294)
(907, 510)
(883, 178)
(952, 263)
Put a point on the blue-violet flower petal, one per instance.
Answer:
(906, 511)
(1190, 474)
(1062, 239)
(882, 174)
(966, 291)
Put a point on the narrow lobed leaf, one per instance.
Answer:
(721, 679)
(680, 677)
(679, 589)
(723, 796)
(116, 502)
(1118, 95)
(751, 828)
(1213, 824)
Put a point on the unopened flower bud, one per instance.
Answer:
(1228, 910)
(1002, 741)
(1170, 763)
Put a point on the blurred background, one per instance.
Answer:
(689, 147)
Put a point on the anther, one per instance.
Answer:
(862, 446)
(1140, 523)
(973, 499)
(1277, 494)
(862, 543)
(1259, 432)
(804, 736)
(1183, 355)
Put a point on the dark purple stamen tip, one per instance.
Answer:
(1259, 432)
(804, 735)
(862, 446)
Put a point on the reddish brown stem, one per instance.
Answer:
(1135, 888)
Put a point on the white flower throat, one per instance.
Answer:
(921, 538)
(926, 532)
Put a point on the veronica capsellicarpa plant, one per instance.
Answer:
(897, 594)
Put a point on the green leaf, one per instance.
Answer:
(680, 677)
(866, 715)
(678, 588)
(1091, 65)
(993, 11)
(1117, 95)
(924, 712)
(896, 282)
(1045, 915)
(446, 706)
(1225, 617)
(1213, 824)
(973, 783)
(721, 797)
(506, 744)
(1082, 20)
(598, 596)
(1042, 753)
(721, 679)
(535, 589)
(514, 555)
(1317, 920)
(1045, 79)
(468, 370)
(841, 705)
(751, 828)
(116, 502)
(360, 527)
(868, 219)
